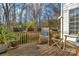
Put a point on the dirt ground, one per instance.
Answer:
(37, 50)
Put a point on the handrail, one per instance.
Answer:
(71, 36)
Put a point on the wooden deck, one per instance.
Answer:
(37, 50)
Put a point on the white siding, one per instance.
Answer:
(66, 8)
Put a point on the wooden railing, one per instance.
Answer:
(21, 37)
(26, 37)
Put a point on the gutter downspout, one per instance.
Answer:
(62, 23)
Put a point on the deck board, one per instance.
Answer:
(37, 50)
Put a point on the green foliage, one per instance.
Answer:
(10, 37)
(29, 24)
(2, 32)
(6, 37)
(18, 24)
(54, 23)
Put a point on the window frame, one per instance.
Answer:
(74, 20)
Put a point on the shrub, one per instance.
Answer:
(5, 36)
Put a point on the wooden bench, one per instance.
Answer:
(74, 43)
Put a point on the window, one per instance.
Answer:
(74, 21)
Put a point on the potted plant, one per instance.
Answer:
(5, 39)
(3, 46)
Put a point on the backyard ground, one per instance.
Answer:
(38, 50)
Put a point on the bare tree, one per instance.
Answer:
(56, 8)
(14, 14)
(6, 14)
(23, 7)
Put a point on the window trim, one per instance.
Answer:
(74, 31)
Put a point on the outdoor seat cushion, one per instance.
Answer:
(45, 33)
(74, 42)
(77, 40)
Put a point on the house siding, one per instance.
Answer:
(65, 24)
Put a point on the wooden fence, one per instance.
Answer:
(21, 37)
(27, 37)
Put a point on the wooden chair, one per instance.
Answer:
(55, 41)
(44, 34)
